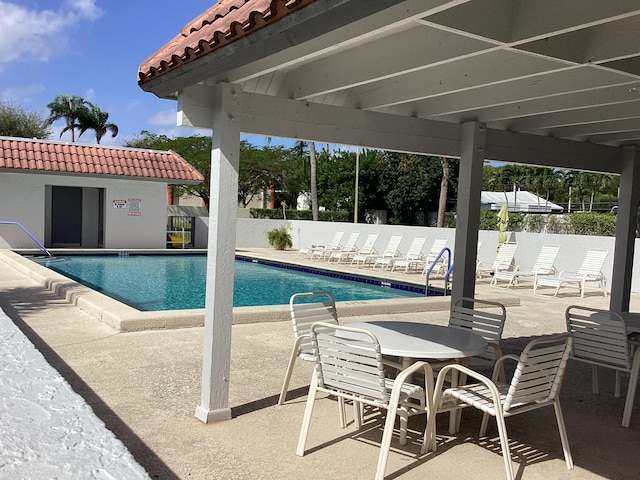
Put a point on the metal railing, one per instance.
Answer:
(42, 247)
(447, 251)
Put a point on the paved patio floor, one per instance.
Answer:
(145, 386)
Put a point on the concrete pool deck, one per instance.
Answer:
(145, 386)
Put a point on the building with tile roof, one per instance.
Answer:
(90, 196)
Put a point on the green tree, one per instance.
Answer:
(93, 118)
(16, 121)
(69, 108)
(195, 149)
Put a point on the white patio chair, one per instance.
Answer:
(305, 309)
(348, 251)
(436, 248)
(544, 265)
(413, 257)
(349, 366)
(390, 253)
(321, 251)
(367, 252)
(503, 260)
(535, 384)
(487, 319)
(600, 339)
(589, 271)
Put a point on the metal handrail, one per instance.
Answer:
(42, 247)
(434, 263)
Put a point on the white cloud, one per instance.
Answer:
(22, 94)
(90, 95)
(38, 35)
(164, 118)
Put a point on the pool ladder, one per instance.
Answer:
(447, 283)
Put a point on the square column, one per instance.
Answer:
(472, 147)
(225, 161)
(626, 224)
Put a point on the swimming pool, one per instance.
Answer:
(177, 282)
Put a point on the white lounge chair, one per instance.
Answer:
(348, 251)
(589, 271)
(390, 253)
(544, 265)
(413, 257)
(503, 260)
(436, 248)
(319, 252)
(367, 252)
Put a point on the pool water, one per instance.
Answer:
(176, 282)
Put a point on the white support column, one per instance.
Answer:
(216, 353)
(472, 143)
(626, 223)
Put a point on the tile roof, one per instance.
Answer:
(47, 156)
(223, 23)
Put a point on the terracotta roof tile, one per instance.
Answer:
(223, 23)
(47, 156)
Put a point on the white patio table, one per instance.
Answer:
(411, 340)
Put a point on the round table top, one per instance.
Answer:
(421, 340)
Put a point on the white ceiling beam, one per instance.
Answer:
(302, 120)
(530, 149)
(520, 90)
(408, 51)
(577, 116)
(591, 129)
(616, 138)
(382, 23)
(492, 68)
(503, 116)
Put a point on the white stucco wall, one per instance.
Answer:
(22, 199)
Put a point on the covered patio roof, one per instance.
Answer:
(551, 83)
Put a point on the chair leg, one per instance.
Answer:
(385, 444)
(287, 376)
(616, 390)
(631, 389)
(306, 420)
(504, 443)
(563, 435)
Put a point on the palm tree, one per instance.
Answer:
(93, 118)
(67, 107)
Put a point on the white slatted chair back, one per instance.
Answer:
(600, 339)
(392, 247)
(505, 255)
(484, 317)
(415, 249)
(351, 366)
(592, 264)
(436, 247)
(306, 309)
(335, 242)
(350, 246)
(544, 264)
(368, 247)
(538, 375)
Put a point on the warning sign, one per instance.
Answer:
(119, 204)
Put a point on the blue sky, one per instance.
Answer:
(92, 48)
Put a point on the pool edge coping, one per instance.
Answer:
(128, 319)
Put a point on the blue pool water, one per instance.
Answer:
(176, 282)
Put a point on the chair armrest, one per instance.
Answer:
(498, 368)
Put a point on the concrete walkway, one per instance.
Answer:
(145, 386)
